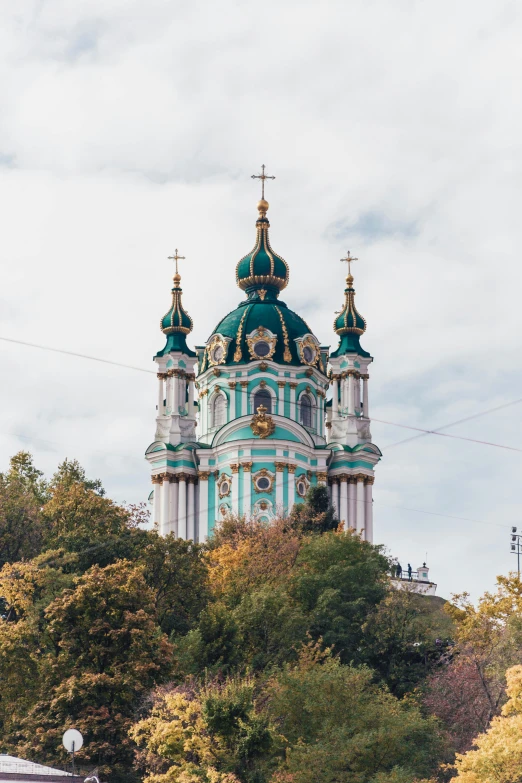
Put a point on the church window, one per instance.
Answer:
(217, 353)
(263, 483)
(301, 489)
(261, 348)
(308, 353)
(306, 411)
(263, 397)
(219, 411)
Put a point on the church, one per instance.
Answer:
(248, 422)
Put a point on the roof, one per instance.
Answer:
(12, 768)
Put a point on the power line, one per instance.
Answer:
(78, 355)
(438, 431)
(422, 432)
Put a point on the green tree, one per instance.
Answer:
(105, 651)
(340, 727)
(23, 529)
(316, 514)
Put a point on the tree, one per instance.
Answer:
(316, 514)
(105, 651)
(23, 529)
(213, 734)
(340, 727)
(498, 754)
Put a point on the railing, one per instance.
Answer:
(405, 577)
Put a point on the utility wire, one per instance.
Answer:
(422, 432)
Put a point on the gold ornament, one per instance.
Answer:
(261, 424)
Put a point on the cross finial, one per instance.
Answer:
(262, 177)
(349, 258)
(176, 258)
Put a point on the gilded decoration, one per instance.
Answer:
(217, 350)
(262, 425)
(224, 484)
(302, 485)
(287, 356)
(238, 355)
(261, 343)
(308, 350)
(263, 480)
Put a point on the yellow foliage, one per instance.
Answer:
(498, 757)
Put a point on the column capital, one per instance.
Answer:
(156, 478)
(247, 466)
(328, 425)
(343, 478)
(280, 466)
(361, 477)
(173, 478)
(365, 376)
(203, 475)
(352, 479)
(369, 479)
(192, 479)
(216, 371)
(182, 477)
(232, 384)
(309, 372)
(161, 376)
(234, 467)
(291, 468)
(243, 384)
(322, 476)
(293, 384)
(281, 384)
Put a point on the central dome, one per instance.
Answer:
(262, 266)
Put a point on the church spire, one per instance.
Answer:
(176, 323)
(262, 272)
(349, 324)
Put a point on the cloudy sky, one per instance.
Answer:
(131, 127)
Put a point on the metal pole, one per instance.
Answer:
(518, 557)
(73, 770)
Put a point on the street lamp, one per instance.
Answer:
(516, 546)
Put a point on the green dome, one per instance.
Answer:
(262, 267)
(176, 319)
(176, 324)
(349, 324)
(262, 319)
(349, 320)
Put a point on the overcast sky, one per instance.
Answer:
(131, 127)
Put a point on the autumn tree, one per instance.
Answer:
(498, 754)
(23, 529)
(105, 650)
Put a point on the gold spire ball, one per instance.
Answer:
(176, 258)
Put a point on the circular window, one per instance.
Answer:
(308, 354)
(263, 483)
(261, 348)
(301, 489)
(217, 354)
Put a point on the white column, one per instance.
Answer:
(203, 506)
(281, 398)
(335, 396)
(369, 510)
(335, 496)
(351, 395)
(156, 501)
(232, 406)
(360, 504)
(235, 488)
(182, 392)
(344, 402)
(182, 507)
(366, 406)
(280, 467)
(343, 503)
(351, 504)
(247, 488)
(293, 407)
(357, 383)
(173, 510)
(160, 394)
(191, 398)
(291, 487)
(175, 395)
(165, 497)
(190, 509)
(168, 394)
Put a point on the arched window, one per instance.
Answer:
(306, 410)
(219, 411)
(263, 397)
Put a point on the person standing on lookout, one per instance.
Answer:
(409, 573)
(399, 571)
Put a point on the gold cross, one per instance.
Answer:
(262, 177)
(349, 258)
(176, 258)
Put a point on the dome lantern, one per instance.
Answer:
(349, 323)
(176, 323)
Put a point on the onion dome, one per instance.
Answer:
(176, 323)
(349, 324)
(262, 267)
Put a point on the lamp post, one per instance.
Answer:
(516, 546)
